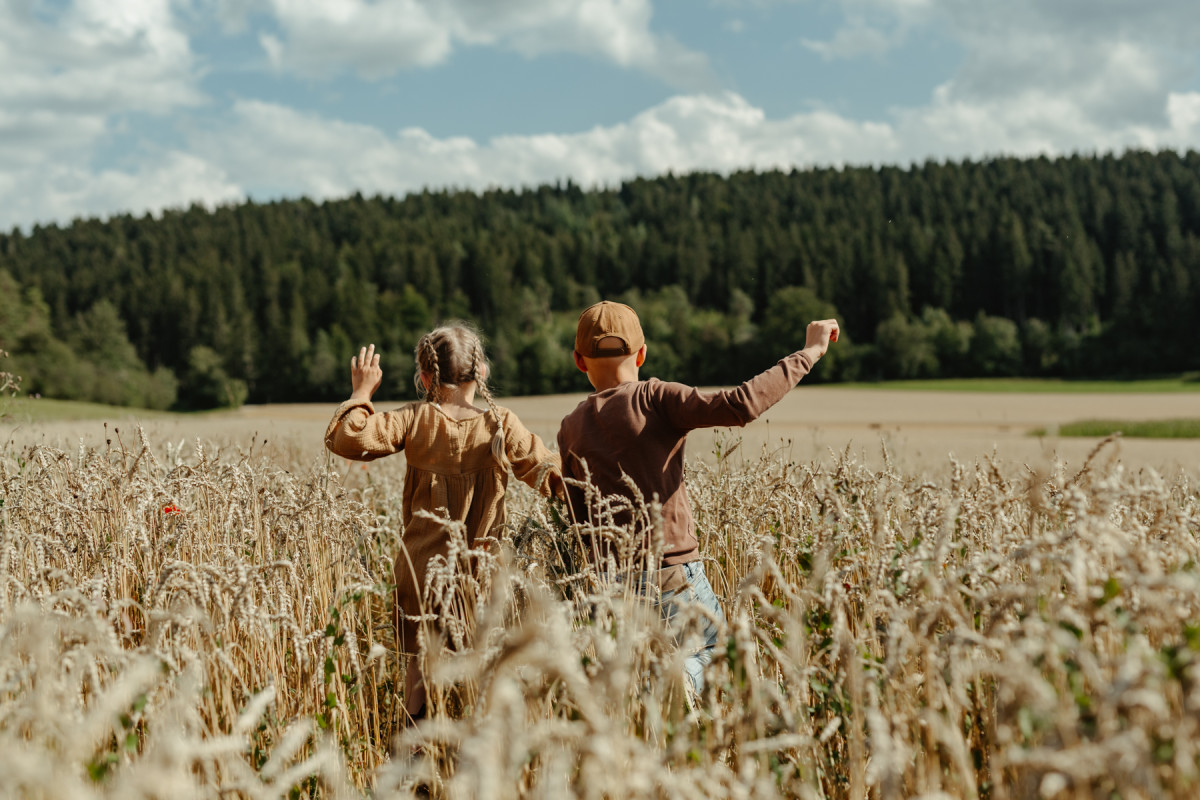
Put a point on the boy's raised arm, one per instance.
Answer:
(690, 408)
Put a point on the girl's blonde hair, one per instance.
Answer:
(452, 355)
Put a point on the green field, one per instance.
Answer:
(1189, 382)
(18, 410)
(1144, 429)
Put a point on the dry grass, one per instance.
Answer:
(1002, 633)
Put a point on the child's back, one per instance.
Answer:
(633, 432)
(451, 471)
(638, 429)
(458, 458)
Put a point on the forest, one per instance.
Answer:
(1081, 266)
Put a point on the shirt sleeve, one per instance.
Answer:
(359, 433)
(689, 408)
(532, 462)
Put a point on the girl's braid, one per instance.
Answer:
(498, 449)
(428, 354)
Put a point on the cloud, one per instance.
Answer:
(71, 73)
(854, 40)
(296, 153)
(233, 16)
(276, 150)
(379, 38)
(374, 38)
(37, 136)
(1036, 78)
(60, 192)
(1107, 61)
(267, 150)
(93, 57)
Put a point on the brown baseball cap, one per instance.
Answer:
(608, 319)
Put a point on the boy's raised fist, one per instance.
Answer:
(819, 334)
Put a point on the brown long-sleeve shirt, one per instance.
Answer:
(639, 429)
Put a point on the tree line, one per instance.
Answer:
(1082, 266)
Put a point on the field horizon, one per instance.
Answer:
(920, 425)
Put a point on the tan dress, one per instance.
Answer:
(451, 472)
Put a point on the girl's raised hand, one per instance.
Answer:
(365, 373)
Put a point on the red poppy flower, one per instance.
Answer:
(172, 509)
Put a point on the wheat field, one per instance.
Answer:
(191, 619)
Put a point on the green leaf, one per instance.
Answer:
(1112, 588)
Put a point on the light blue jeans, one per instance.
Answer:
(698, 641)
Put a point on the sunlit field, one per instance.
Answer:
(200, 607)
(919, 427)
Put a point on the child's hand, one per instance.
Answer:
(819, 334)
(365, 374)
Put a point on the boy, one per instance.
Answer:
(635, 428)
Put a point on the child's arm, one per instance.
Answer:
(532, 462)
(689, 408)
(356, 431)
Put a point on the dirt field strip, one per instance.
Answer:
(920, 429)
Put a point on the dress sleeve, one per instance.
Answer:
(532, 462)
(689, 408)
(357, 432)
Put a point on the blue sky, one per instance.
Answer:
(112, 106)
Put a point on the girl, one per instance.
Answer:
(458, 461)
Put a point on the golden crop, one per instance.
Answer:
(218, 625)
